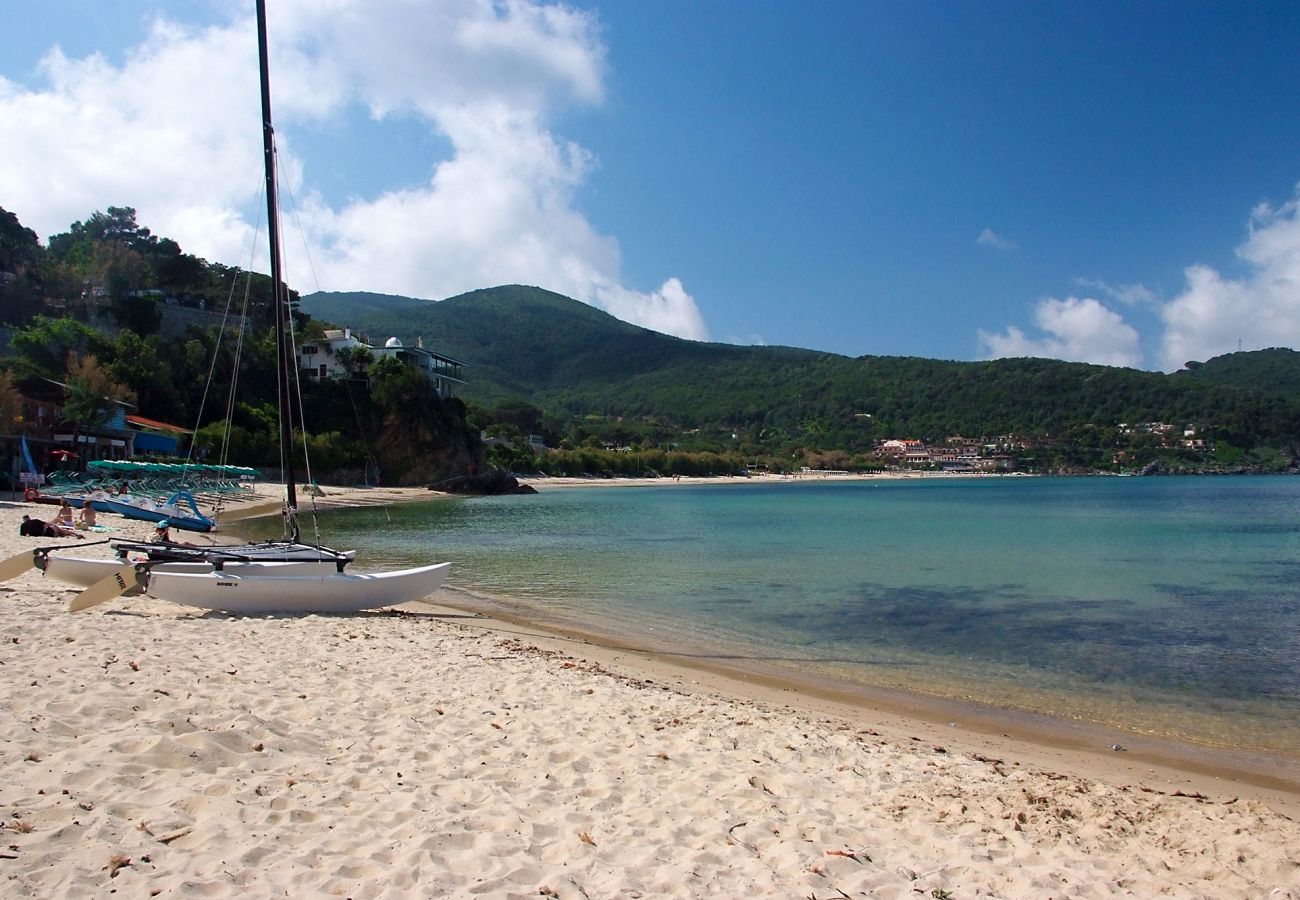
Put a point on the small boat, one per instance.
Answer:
(237, 578)
(260, 590)
(259, 558)
(97, 500)
(180, 510)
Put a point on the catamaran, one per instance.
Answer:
(268, 576)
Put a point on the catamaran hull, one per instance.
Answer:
(332, 592)
(83, 572)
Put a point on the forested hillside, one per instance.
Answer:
(85, 313)
(576, 363)
(86, 310)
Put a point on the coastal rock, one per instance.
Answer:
(485, 484)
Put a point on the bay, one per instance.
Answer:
(1163, 606)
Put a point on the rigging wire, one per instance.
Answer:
(224, 451)
(311, 265)
(296, 372)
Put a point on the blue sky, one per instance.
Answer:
(1106, 182)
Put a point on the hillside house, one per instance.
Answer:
(321, 359)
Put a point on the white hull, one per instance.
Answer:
(327, 592)
(83, 572)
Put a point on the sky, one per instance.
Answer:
(1105, 182)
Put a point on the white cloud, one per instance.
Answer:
(1078, 329)
(1128, 294)
(173, 131)
(990, 238)
(1259, 309)
(669, 304)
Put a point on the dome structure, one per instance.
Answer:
(393, 343)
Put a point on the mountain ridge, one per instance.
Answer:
(570, 359)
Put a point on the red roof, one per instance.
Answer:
(142, 422)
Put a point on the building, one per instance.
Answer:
(910, 451)
(54, 443)
(154, 438)
(328, 358)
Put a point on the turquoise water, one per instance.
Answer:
(1161, 605)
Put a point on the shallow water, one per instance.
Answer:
(1161, 605)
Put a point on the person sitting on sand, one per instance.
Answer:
(87, 517)
(64, 517)
(39, 528)
(162, 534)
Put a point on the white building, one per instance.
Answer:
(321, 359)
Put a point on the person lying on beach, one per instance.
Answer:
(64, 517)
(39, 528)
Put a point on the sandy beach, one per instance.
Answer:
(151, 750)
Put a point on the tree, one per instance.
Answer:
(137, 313)
(20, 258)
(146, 368)
(90, 395)
(356, 361)
(117, 226)
(11, 403)
(519, 413)
(44, 347)
(20, 249)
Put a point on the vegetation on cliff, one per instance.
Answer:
(87, 311)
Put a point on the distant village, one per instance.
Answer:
(1007, 453)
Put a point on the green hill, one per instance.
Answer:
(541, 362)
(576, 362)
(1274, 371)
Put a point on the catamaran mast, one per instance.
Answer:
(280, 291)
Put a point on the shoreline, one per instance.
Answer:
(156, 750)
(1081, 747)
(1074, 747)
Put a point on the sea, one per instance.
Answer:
(1166, 606)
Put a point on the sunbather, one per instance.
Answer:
(39, 528)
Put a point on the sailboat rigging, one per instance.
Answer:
(279, 290)
(266, 576)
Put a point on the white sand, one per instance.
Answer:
(149, 750)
